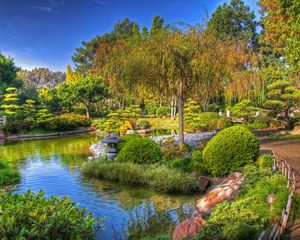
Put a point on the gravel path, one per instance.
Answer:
(290, 151)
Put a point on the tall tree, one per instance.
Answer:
(233, 21)
(176, 64)
(280, 36)
(8, 73)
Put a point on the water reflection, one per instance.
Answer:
(131, 213)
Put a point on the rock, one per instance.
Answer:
(227, 190)
(203, 183)
(192, 139)
(98, 149)
(188, 228)
(130, 131)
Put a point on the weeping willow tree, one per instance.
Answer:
(178, 63)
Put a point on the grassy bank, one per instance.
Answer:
(8, 175)
(160, 178)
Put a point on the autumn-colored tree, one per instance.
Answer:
(71, 76)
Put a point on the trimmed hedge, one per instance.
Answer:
(141, 151)
(230, 149)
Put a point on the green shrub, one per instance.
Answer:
(69, 121)
(204, 121)
(223, 122)
(159, 178)
(15, 127)
(252, 207)
(151, 109)
(141, 151)
(31, 216)
(265, 161)
(128, 138)
(8, 175)
(210, 231)
(165, 179)
(143, 124)
(229, 150)
(164, 111)
(240, 231)
(254, 126)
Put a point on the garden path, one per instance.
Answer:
(290, 151)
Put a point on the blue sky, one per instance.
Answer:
(45, 33)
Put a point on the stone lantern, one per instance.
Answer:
(112, 143)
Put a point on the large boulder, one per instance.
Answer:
(227, 190)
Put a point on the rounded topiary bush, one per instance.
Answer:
(229, 150)
(141, 151)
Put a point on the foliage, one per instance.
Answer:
(244, 109)
(233, 21)
(282, 97)
(265, 161)
(143, 124)
(31, 216)
(251, 208)
(69, 121)
(223, 122)
(190, 164)
(203, 121)
(210, 231)
(229, 150)
(164, 111)
(150, 109)
(141, 151)
(160, 178)
(14, 127)
(43, 118)
(120, 120)
(8, 175)
(10, 105)
(29, 109)
(8, 72)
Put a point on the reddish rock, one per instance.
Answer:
(227, 190)
(188, 228)
(203, 183)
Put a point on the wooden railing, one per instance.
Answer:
(278, 228)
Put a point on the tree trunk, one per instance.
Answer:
(180, 114)
(87, 111)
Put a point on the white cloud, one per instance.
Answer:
(42, 8)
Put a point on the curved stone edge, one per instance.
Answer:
(226, 190)
(50, 135)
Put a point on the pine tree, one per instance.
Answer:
(10, 102)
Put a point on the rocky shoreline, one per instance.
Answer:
(192, 139)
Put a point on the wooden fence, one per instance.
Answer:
(278, 228)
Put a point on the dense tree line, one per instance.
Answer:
(220, 62)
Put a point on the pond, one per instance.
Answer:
(53, 165)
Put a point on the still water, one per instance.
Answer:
(53, 165)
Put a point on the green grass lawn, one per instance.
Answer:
(165, 123)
